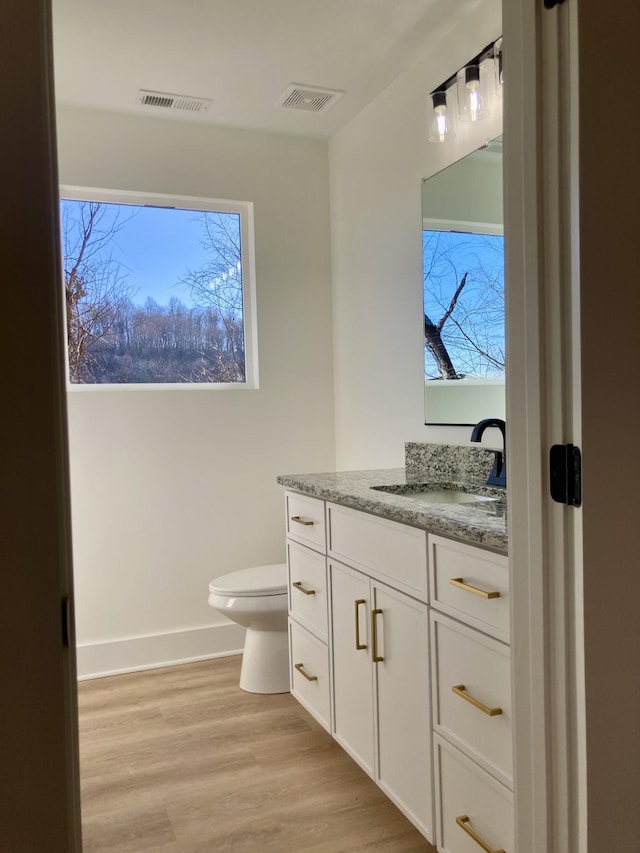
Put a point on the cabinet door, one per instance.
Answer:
(401, 638)
(352, 668)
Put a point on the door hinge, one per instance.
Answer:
(551, 4)
(66, 621)
(565, 474)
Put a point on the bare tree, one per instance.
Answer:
(218, 285)
(113, 340)
(95, 285)
(464, 287)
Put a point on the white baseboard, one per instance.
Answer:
(97, 660)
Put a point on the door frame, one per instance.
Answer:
(39, 799)
(543, 408)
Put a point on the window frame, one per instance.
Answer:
(244, 209)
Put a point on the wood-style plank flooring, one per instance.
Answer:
(180, 760)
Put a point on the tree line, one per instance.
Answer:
(162, 344)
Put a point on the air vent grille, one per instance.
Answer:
(167, 101)
(308, 98)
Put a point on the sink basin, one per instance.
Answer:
(435, 495)
(449, 498)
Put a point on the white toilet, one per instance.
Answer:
(257, 599)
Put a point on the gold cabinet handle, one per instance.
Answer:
(300, 668)
(463, 823)
(374, 636)
(459, 690)
(299, 520)
(474, 589)
(298, 585)
(359, 645)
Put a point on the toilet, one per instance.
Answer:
(257, 599)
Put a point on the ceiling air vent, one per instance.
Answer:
(167, 101)
(308, 98)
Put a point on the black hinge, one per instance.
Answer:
(66, 621)
(551, 4)
(565, 474)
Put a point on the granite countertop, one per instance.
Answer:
(480, 523)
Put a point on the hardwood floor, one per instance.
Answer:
(180, 760)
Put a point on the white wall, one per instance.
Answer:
(171, 488)
(376, 166)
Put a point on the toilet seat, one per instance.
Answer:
(259, 580)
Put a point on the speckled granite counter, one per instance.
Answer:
(478, 524)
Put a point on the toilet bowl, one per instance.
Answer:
(257, 599)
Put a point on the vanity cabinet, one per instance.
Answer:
(471, 698)
(367, 606)
(399, 647)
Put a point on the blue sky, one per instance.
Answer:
(156, 246)
(447, 256)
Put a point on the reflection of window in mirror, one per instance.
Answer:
(463, 257)
(463, 305)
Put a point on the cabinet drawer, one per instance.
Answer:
(466, 793)
(392, 552)
(464, 658)
(308, 588)
(310, 673)
(305, 520)
(470, 584)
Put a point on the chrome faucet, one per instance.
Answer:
(498, 474)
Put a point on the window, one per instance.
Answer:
(158, 290)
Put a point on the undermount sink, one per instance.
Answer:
(435, 495)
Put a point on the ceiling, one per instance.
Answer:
(241, 54)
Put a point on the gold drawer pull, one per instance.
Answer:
(359, 645)
(300, 668)
(463, 823)
(474, 589)
(301, 521)
(459, 690)
(374, 634)
(298, 585)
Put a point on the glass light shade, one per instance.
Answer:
(472, 93)
(443, 124)
(497, 66)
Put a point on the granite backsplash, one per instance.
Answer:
(447, 462)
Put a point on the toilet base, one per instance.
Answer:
(265, 662)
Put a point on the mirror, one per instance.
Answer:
(463, 286)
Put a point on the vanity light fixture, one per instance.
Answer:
(472, 97)
(443, 124)
(470, 85)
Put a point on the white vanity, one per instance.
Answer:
(399, 647)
